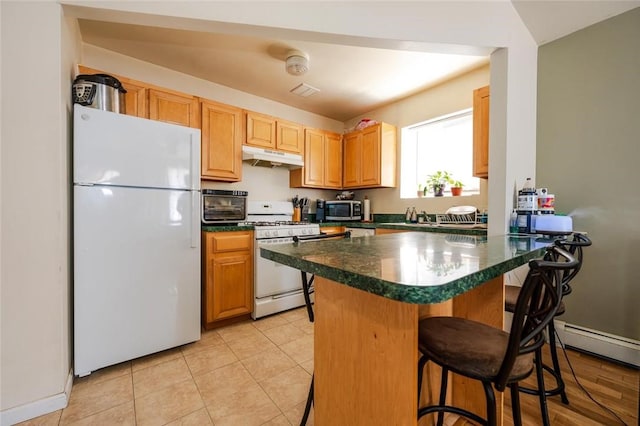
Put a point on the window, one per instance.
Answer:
(444, 143)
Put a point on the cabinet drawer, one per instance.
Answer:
(230, 241)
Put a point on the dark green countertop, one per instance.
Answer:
(463, 230)
(412, 267)
(224, 228)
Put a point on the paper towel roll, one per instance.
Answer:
(367, 210)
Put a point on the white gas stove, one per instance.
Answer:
(276, 287)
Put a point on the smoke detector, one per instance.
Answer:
(297, 62)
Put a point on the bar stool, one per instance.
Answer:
(491, 355)
(575, 247)
(307, 290)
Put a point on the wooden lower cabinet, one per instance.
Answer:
(331, 229)
(382, 231)
(227, 276)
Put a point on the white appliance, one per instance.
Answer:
(277, 287)
(270, 158)
(136, 225)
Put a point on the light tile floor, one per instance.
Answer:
(251, 373)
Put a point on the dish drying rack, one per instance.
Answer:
(457, 218)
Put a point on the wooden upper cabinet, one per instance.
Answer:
(289, 137)
(333, 160)
(322, 161)
(481, 132)
(269, 132)
(136, 100)
(370, 168)
(370, 157)
(173, 107)
(314, 166)
(352, 160)
(222, 136)
(261, 130)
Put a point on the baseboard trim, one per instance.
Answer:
(597, 342)
(38, 408)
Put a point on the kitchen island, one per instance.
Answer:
(369, 295)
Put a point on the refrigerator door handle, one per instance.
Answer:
(195, 219)
(195, 162)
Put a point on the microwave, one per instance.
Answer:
(223, 206)
(343, 210)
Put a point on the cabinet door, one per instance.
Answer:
(232, 291)
(135, 100)
(370, 157)
(221, 142)
(352, 160)
(314, 164)
(332, 229)
(332, 160)
(261, 130)
(481, 132)
(174, 108)
(289, 137)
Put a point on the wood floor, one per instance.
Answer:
(612, 385)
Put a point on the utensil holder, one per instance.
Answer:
(296, 214)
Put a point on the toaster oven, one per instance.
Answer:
(223, 206)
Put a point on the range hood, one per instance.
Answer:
(269, 158)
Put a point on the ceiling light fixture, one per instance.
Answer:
(297, 62)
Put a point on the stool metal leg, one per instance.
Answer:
(307, 407)
(544, 411)
(421, 363)
(491, 404)
(515, 404)
(443, 394)
(556, 364)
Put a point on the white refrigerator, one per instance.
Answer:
(136, 237)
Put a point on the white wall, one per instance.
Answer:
(36, 338)
(448, 97)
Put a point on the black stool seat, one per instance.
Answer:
(470, 348)
(511, 293)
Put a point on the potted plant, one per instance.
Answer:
(456, 188)
(437, 181)
(420, 190)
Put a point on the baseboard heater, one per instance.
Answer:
(600, 343)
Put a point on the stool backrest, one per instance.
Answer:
(537, 304)
(574, 247)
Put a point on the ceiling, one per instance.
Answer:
(351, 80)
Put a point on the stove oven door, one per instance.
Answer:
(272, 278)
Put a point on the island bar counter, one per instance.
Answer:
(369, 295)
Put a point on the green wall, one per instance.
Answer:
(588, 155)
